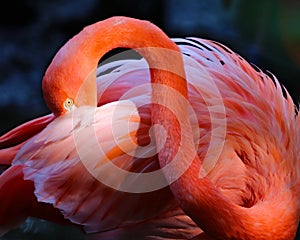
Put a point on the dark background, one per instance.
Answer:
(265, 32)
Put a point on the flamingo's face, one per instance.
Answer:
(64, 92)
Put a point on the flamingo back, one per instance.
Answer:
(259, 155)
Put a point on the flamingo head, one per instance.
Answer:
(69, 81)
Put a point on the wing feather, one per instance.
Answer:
(54, 161)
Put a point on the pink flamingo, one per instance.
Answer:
(249, 190)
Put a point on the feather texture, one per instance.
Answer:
(245, 134)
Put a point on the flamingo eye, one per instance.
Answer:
(68, 104)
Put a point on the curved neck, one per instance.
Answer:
(97, 39)
(198, 197)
